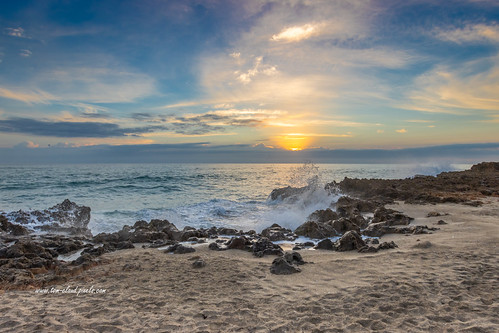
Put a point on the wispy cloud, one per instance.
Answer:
(402, 130)
(471, 87)
(25, 53)
(15, 32)
(471, 33)
(28, 96)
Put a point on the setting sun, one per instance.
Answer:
(293, 141)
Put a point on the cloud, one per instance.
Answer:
(471, 33)
(402, 130)
(28, 96)
(297, 33)
(96, 85)
(469, 88)
(258, 68)
(25, 53)
(380, 131)
(60, 129)
(15, 32)
(27, 144)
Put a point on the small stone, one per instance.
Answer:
(281, 267)
(199, 263)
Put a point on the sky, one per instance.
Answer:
(243, 77)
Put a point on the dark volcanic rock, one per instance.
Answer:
(294, 258)
(347, 206)
(390, 217)
(351, 240)
(276, 233)
(281, 266)
(215, 247)
(458, 187)
(343, 225)
(323, 215)
(239, 243)
(64, 217)
(288, 192)
(316, 230)
(326, 244)
(199, 263)
(264, 247)
(180, 249)
(11, 228)
(387, 245)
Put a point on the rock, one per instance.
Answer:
(11, 228)
(368, 249)
(326, 244)
(390, 217)
(288, 193)
(347, 206)
(239, 243)
(375, 241)
(64, 217)
(351, 240)
(485, 167)
(375, 230)
(281, 267)
(105, 238)
(433, 214)
(423, 245)
(264, 247)
(199, 263)
(215, 247)
(441, 222)
(179, 249)
(276, 233)
(387, 245)
(227, 231)
(323, 215)
(294, 258)
(28, 249)
(343, 225)
(316, 230)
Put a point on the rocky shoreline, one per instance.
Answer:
(356, 221)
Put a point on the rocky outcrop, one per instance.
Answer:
(323, 215)
(11, 228)
(351, 240)
(277, 233)
(264, 247)
(287, 264)
(67, 217)
(390, 217)
(326, 244)
(456, 187)
(316, 230)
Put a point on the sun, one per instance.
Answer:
(292, 141)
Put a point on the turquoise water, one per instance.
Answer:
(199, 195)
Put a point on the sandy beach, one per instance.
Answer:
(446, 281)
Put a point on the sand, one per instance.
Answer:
(447, 281)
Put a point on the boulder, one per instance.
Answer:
(199, 263)
(316, 230)
(264, 247)
(323, 215)
(239, 243)
(276, 233)
(346, 206)
(343, 225)
(351, 240)
(179, 249)
(387, 245)
(391, 217)
(281, 266)
(294, 258)
(326, 244)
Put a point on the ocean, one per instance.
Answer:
(197, 195)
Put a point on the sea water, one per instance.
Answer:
(197, 195)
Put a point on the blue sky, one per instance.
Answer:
(283, 75)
